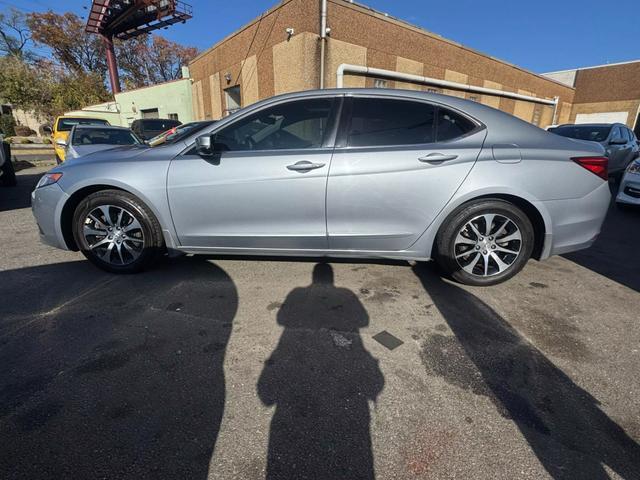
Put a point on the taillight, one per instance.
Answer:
(596, 165)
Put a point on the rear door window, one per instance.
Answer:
(389, 122)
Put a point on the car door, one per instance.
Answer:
(266, 189)
(389, 176)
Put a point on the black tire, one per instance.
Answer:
(445, 254)
(152, 244)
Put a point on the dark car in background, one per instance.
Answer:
(619, 142)
(147, 128)
(181, 131)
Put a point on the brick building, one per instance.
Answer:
(281, 52)
(604, 93)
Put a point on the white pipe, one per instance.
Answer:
(378, 72)
(323, 40)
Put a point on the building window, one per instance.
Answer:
(474, 98)
(149, 113)
(173, 116)
(433, 90)
(380, 83)
(233, 99)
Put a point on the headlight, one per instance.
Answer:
(634, 168)
(49, 179)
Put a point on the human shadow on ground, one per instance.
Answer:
(320, 379)
(564, 425)
(113, 376)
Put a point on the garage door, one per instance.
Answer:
(602, 117)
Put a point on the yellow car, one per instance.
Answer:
(63, 126)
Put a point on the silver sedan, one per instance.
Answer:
(342, 173)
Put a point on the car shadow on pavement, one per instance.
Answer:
(13, 198)
(616, 252)
(107, 376)
(564, 425)
(320, 379)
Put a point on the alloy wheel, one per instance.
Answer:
(488, 245)
(114, 234)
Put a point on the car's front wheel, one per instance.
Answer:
(485, 242)
(117, 232)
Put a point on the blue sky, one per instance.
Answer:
(540, 35)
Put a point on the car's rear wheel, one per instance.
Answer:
(117, 232)
(485, 242)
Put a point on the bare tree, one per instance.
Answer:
(14, 34)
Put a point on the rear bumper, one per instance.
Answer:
(576, 222)
(46, 205)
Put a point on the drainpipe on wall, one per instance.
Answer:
(555, 110)
(407, 77)
(323, 39)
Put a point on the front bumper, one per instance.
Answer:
(629, 191)
(576, 222)
(46, 205)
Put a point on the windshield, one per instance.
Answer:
(583, 132)
(177, 133)
(66, 124)
(103, 136)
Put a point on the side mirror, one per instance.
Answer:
(203, 145)
(206, 145)
(617, 141)
(61, 143)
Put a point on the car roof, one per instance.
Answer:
(102, 127)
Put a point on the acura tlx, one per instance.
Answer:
(341, 173)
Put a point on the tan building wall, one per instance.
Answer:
(610, 88)
(276, 63)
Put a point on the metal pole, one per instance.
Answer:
(323, 39)
(112, 64)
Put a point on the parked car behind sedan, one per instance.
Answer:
(147, 128)
(619, 142)
(629, 191)
(61, 129)
(343, 173)
(86, 139)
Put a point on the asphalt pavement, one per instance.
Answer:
(236, 368)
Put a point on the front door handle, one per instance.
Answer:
(304, 166)
(436, 158)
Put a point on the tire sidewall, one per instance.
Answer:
(108, 198)
(446, 241)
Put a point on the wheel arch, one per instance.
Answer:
(82, 191)
(66, 216)
(539, 219)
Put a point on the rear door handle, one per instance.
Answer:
(436, 158)
(304, 166)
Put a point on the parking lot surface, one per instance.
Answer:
(238, 368)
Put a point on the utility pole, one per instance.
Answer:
(112, 64)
